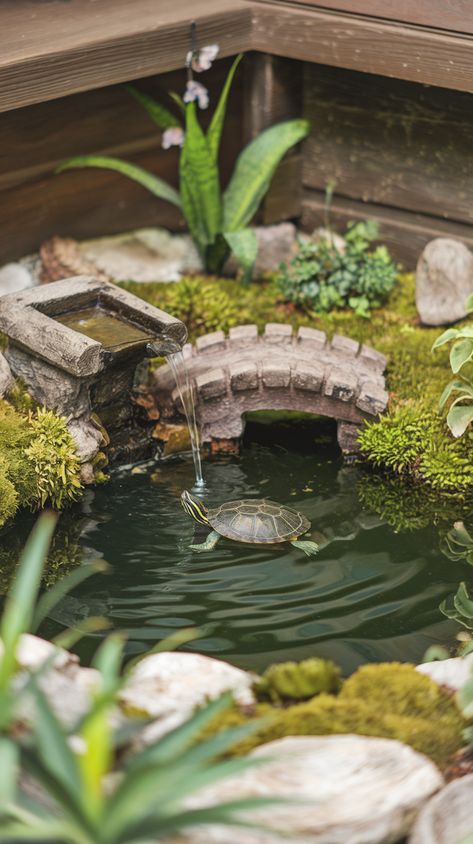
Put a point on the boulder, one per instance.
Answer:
(346, 790)
(453, 673)
(88, 438)
(448, 817)
(6, 377)
(14, 277)
(275, 244)
(444, 280)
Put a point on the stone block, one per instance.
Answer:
(244, 375)
(242, 335)
(311, 338)
(275, 332)
(276, 374)
(210, 342)
(372, 359)
(308, 376)
(444, 281)
(345, 345)
(373, 398)
(211, 384)
(341, 383)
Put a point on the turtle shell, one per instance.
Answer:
(258, 521)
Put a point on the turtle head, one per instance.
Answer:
(194, 507)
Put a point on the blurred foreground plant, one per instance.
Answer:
(83, 796)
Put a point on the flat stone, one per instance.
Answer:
(340, 790)
(449, 672)
(341, 383)
(276, 374)
(14, 277)
(210, 342)
(241, 335)
(444, 280)
(244, 375)
(346, 345)
(311, 337)
(307, 376)
(448, 817)
(211, 384)
(373, 399)
(6, 377)
(170, 686)
(275, 332)
(372, 359)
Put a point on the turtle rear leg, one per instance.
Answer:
(305, 545)
(209, 543)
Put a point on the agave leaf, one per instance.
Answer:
(214, 132)
(199, 183)
(159, 114)
(458, 419)
(445, 337)
(153, 183)
(244, 245)
(254, 170)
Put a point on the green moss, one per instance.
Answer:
(298, 680)
(52, 453)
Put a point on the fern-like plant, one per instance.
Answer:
(52, 454)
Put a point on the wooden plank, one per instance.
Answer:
(390, 142)
(360, 43)
(52, 48)
(404, 233)
(454, 15)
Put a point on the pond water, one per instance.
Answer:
(370, 595)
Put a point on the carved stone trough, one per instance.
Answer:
(76, 345)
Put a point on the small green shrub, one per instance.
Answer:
(298, 680)
(52, 453)
(459, 607)
(459, 391)
(322, 278)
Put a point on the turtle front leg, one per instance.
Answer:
(209, 543)
(305, 545)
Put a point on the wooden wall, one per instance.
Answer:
(398, 152)
(35, 204)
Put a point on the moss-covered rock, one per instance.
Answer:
(298, 680)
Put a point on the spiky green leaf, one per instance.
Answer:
(199, 183)
(160, 115)
(244, 245)
(214, 132)
(153, 183)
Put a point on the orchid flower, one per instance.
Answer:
(196, 91)
(202, 59)
(172, 137)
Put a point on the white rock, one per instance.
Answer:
(444, 280)
(87, 438)
(14, 277)
(170, 686)
(346, 790)
(449, 672)
(448, 817)
(143, 255)
(6, 377)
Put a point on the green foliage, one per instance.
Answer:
(404, 507)
(210, 213)
(298, 680)
(52, 453)
(457, 545)
(459, 607)
(84, 796)
(460, 412)
(390, 700)
(323, 278)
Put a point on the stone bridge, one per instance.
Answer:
(276, 371)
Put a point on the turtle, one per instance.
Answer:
(254, 520)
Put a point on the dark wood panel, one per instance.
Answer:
(360, 43)
(51, 48)
(390, 142)
(404, 233)
(452, 15)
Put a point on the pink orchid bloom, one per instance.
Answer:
(172, 137)
(202, 59)
(196, 91)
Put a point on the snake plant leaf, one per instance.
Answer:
(160, 115)
(254, 170)
(199, 183)
(214, 132)
(445, 337)
(244, 245)
(154, 184)
(458, 419)
(461, 352)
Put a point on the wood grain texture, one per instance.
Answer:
(390, 142)
(403, 232)
(51, 48)
(451, 15)
(361, 43)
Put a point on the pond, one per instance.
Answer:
(370, 595)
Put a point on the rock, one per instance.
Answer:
(449, 672)
(337, 240)
(444, 280)
(176, 438)
(14, 277)
(88, 438)
(6, 377)
(347, 790)
(448, 817)
(275, 244)
(169, 686)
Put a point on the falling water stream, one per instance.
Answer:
(177, 363)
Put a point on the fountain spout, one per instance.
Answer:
(163, 347)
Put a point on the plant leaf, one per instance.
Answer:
(458, 419)
(214, 132)
(254, 170)
(456, 385)
(445, 337)
(462, 601)
(244, 245)
(159, 114)
(10, 768)
(153, 183)
(199, 183)
(53, 749)
(460, 353)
